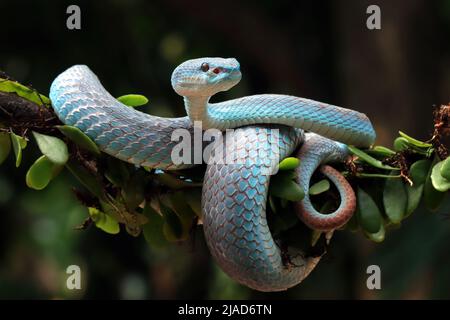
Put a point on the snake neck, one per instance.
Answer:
(197, 107)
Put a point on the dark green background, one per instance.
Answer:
(320, 51)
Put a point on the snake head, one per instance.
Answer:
(205, 76)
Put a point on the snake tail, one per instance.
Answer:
(315, 151)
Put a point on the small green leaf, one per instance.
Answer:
(352, 224)
(104, 221)
(414, 196)
(23, 91)
(117, 172)
(54, 148)
(415, 142)
(445, 169)
(381, 151)
(134, 189)
(319, 187)
(377, 236)
(439, 182)
(432, 197)
(289, 163)
(193, 198)
(18, 144)
(369, 216)
(272, 204)
(153, 229)
(369, 159)
(418, 173)
(172, 228)
(86, 178)
(115, 209)
(177, 202)
(180, 206)
(133, 100)
(283, 220)
(80, 138)
(22, 142)
(395, 200)
(315, 236)
(377, 175)
(41, 173)
(5, 146)
(400, 144)
(283, 187)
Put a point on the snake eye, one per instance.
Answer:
(204, 67)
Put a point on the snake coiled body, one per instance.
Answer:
(234, 203)
(234, 195)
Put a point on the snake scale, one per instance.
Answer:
(234, 195)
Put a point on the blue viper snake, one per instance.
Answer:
(234, 195)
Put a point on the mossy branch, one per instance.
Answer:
(390, 184)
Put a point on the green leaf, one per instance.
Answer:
(177, 202)
(418, 173)
(381, 151)
(193, 198)
(445, 169)
(377, 175)
(23, 91)
(54, 148)
(272, 204)
(41, 173)
(282, 186)
(352, 224)
(133, 100)
(86, 178)
(378, 236)
(80, 138)
(368, 214)
(414, 196)
(283, 221)
(153, 229)
(432, 197)
(439, 182)
(172, 228)
(369, 159)
(289, 163)
(134, 189)
(395, 200)
(18, 144)
(104, 221)
(400, 144)
(180, 206)
(319, 187)
(415, 142)
(117, 172)
(315, 236)
(5, 146)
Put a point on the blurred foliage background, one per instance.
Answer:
(320, 50)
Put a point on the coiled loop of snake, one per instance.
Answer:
(234, 195)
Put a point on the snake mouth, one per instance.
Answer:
(235, 74)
